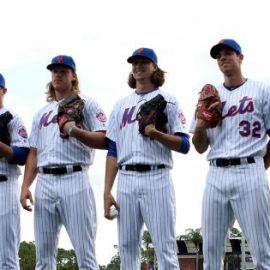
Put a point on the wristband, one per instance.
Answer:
(71, 129)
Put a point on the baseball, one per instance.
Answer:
(113, 212)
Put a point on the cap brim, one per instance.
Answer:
(132, 58)
(215, 49)
(52, 66)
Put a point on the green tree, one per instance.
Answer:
(27, 255)
(66, 260)
(114, 263)
(195, 236)
(234, 232)
(147, 252)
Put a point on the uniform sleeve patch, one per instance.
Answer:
(22, 132)
(100, 115)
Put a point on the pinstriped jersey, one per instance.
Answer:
(132, 147)
(52, 149)
(245, 122)
(19, 138)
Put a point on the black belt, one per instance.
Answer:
(3, 178)
(141, 167)
(61, 170)
(222, 162)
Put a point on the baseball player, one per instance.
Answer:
(145, 192)
(14, 147)
(237, 184)
(63, 194)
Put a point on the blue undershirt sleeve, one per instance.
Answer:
(112, 151)
(185, 144)
(19, 155)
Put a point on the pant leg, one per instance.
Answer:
(9, 224)
(78, 212)
(217, 216)
(130, 221)
(46, 222)
(157, 205)
(251, 203)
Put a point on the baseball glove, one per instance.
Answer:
(152, 112)
(70, 109)
(208, 96)
(5, 118)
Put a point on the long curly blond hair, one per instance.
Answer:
(51, 91)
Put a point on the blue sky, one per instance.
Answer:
(100, 35)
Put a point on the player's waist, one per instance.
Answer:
(227, 162)
(141, 167)
(61, 169)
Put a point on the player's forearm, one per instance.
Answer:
(92, 139)
(30, 171)
(267, 157)
(200, 139)
(6, 151)
(110, 173)
(173, 142)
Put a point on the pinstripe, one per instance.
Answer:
(238, 192)
(45, 136)
(124, 131)
(9, 198)
(241, 191)
(66, 200)
(9, 224)
(146, 198)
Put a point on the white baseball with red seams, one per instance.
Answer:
(114, 213)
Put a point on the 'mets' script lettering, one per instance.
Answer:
(47, 119)
(127, 116)
(245, 106)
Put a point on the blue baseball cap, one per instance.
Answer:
(2, 81)
(144, 52)
(225, 43)
(63, 60)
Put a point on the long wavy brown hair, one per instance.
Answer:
(157, 78)
(51, 91)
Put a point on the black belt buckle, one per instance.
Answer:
(142, 167)
(221, 162)
(60, 170)
(3, 178)
(228, 162)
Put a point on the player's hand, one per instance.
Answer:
(214, 107)
(149, 129)
(26, 196)
(109, 201)
(68, 125)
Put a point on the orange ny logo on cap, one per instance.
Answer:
(59, 59)
(140, 50)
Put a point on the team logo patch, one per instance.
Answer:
(182, 118)
(59, 59)
(22, 132)
(100, 115)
